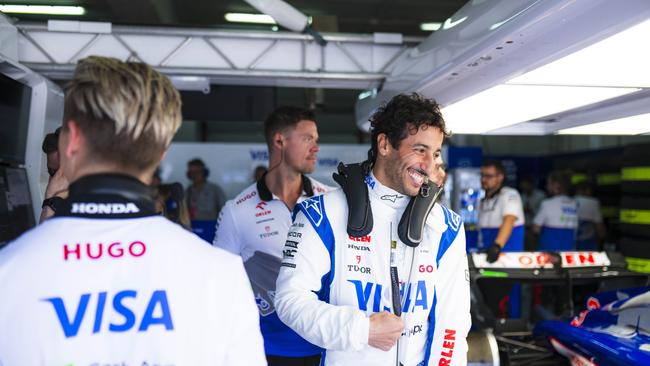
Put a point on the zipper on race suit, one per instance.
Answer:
(397, 300)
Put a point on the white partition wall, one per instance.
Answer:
(231, 165)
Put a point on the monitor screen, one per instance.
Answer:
(15, 100)
(16, 212)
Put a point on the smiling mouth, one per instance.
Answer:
(418, 176)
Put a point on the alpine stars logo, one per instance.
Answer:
(92, 208)
(391, 197)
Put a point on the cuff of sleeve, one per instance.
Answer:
(361, 329)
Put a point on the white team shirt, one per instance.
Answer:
(330, 283)
(558, 212)
(135, 291)
(249, 224)
(558, 219)
(254, 225)
(506, 202)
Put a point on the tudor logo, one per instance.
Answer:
(93, 208)
(261, 205)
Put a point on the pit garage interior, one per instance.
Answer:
(541, 86)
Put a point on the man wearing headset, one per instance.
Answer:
(204, 199)
(107, 280)
(255, 223)
(373, 299)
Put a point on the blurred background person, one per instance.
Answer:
(204, 199)
(557, 220)
(57, 184)
(531, 198)
(591, 230)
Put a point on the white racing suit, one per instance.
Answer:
(331, 283)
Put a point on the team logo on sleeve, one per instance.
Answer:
(452, 219)
(313, 209)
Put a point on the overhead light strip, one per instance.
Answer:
(505, 105)
(249, 18)
(430, 27)
(42, 9)
(620, 61)
(633, 125)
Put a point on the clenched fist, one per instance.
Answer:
(385, 330)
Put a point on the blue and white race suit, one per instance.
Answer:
(109, 282)
(330, 283)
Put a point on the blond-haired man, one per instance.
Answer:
(106, 280)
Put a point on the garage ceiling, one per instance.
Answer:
(347, 16)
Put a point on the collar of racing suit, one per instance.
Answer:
(267, 195)
(108, 196)
(385, 195)
(398, 202)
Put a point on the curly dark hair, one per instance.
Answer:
(403, 115)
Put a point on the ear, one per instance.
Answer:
(278, 140)
(383, 145)
(75, 140)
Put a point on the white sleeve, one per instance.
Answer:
(226, 235)
(245, 342)
(512, 205)
(540, 217)
(452, 312)
(306, 261)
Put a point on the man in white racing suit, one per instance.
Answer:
(255, 223)
(336, 290)
(107, 281)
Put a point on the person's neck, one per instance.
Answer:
(107, 168)
(379, 171)
(492, 192)
(285, 183)
(199, 185)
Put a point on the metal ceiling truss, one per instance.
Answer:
(221, 57)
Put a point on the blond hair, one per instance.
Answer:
(128, 111)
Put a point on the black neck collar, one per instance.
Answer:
(266, 195)
(108, 196)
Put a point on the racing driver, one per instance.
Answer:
(338, 290)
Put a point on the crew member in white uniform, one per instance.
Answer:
(501, 221)
(106, 281)
(335, 289)
(254, 224)
(557, 220)
(501, 214)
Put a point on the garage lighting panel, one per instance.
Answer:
(505, 105)
(633, 125)
(249, 18)
(42, 9)
(430, 27)
(621, 61)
